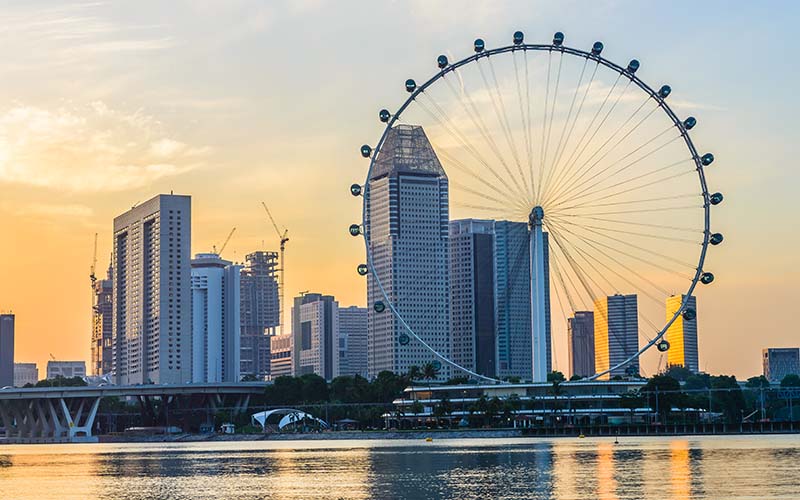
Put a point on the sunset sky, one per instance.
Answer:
(106, 104)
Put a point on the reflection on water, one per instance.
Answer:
(636, 468)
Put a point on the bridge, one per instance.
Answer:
(67, 414)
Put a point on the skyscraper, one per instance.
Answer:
(779, 362)
(102, 312)
(352, 335)
(215, 319)
(616, 334)
(151, 329)
(472, 288)
(407, 212)
(513, 300)
(314, 327)
(580, 344)
(6, 350)
(682, 335)
(260, 312)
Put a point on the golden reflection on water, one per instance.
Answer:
(575, 469)
(679, 471)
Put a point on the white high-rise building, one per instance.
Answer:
(616, 334)
(152, 322)
(315, 324)
(215, 319)
(407, 213)
(352, 335)
(25, 373)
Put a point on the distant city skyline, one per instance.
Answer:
(85, 138)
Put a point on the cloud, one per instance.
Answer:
(91, 148)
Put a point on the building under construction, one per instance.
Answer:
(101, 326)
(260, 312)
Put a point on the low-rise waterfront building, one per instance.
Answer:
(25, 373)
(66, 369)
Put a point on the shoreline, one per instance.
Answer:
(436, 434)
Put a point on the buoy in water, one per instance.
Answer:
(581, 436)
(429, 439)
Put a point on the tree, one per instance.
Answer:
(678, 372)
(457, 381)
(663, 392)
(556, 377)
(759, 382)
(631, 400)
(791, 380)
(250, 378)
(727, 397)
(284, 390)
(61, 381)
(575, 377)
(414, 373)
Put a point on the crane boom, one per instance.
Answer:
(283, 237)
(226, 241)
(92, 275)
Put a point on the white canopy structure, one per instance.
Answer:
(285, 416)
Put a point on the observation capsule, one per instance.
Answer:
(689, 314)
(716, 238)
(518, 37)
(716, 198)
(411, 85)
(379, 306)
(403, 339)
(597, 48)
(355, 229)
(437, 365)
(479, 45)
(706, 278)
(707, 159)
(690, 122)
(663, 346)
(384, 115)
(558, 38)
(355, 189)
(366, 151)
(664, 91)
(441, 61)
(633, 66)
(362, 269)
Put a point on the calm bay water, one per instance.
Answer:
(742, 467)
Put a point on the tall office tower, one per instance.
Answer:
(25, 373)
(280, 352)
(102, 311)
(6, 350)
(215, 319)
(779, 362)
(513, 300)
(407, 211)
(472, 287)
(682, 335)
(580, 344)
(352, 337)
(152, 301)
(260, 312)
(616, 334)
(314, 327)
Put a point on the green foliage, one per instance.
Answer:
(250, 378)
(730, 401)
(556, 377)
(757, 382)
(457, 381)
(575, 377)
(663, 392)
(60, 381)
(679, 373)
(791, 380)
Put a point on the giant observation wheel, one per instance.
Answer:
(597, 168)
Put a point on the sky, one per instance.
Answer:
(106, 104)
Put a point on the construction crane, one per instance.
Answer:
(283, 237)
(226, 242)
(92, 275)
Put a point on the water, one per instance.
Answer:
(710, 467)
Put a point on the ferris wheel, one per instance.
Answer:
(592, 163)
